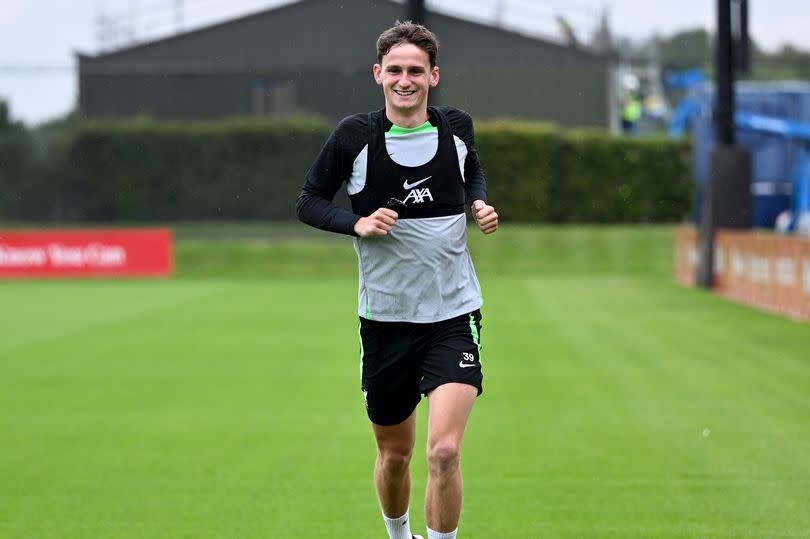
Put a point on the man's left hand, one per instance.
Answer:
(485, 216)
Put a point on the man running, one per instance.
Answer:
(410, 172)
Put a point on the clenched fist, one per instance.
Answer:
(378, 223)
(485, 216)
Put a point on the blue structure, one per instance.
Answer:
(792, 131)
(773, 122)
(684, 79)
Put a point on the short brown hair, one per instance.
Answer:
(408, 32)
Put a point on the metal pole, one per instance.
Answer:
(416, 11)
(744, 45)
(724, 137)
(724, 66)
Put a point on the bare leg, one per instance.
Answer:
(450, 406)
(392, 475)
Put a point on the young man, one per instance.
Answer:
(419, 297)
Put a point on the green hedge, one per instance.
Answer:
(242, 169)
(156, 172)
(540, 173)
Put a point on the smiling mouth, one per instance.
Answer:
(405, 93)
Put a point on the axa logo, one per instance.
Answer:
(417, 196)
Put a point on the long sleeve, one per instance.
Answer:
(475, 181)
(332, 167)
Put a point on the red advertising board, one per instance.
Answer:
(765, 270)
(86, 253)
(686, 245)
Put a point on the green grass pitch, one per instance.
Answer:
(225, 403)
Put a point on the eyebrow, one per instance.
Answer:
(410, 68)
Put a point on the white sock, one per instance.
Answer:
(398, 528)
(439, 535)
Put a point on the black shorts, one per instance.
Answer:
(401, 361)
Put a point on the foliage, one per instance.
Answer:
(5, 120)
(245, 169)
(690, 48)
(16, 163)
(539, 173)
(695, 48)
(154, 171)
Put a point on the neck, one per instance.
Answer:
(407, 120)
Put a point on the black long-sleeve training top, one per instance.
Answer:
(421, 271)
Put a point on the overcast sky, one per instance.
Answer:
(38, 38)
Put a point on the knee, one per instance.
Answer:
(443, 457)
(394, 459)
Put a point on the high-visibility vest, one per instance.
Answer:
(632, 111)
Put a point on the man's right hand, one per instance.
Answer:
(378, 223)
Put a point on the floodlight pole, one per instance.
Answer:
(724, 107)
(416, 11)
(727, 199)
(743, 58)
(724, 136)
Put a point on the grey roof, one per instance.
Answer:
(311, 33)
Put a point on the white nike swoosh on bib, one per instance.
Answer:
(407, 185)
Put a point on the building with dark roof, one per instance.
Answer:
(315, 56)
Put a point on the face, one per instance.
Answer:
(406, 76)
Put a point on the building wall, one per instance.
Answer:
(570, 95)
(316, 57)
(212, 96)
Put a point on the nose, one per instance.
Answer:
(404, 80)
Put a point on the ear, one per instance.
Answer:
(434, 76)
(377, 70)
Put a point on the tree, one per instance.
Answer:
(6, 124)
(5, 121)
(687, 49)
